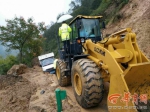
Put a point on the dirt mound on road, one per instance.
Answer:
(32, 91)
(17, 69)
(15, 93)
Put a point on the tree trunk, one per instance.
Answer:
(20, 61)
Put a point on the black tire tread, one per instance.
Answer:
(64, 80)
(92, 85)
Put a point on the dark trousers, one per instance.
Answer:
(67, 46)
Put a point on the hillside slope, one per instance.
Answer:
(136, 15)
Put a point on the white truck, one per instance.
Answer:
(47, 62)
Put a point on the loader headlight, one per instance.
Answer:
(82, 40)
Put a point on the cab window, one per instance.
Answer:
(74, 32)
(90, 28)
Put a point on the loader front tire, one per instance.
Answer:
(87, 83)
(63, 79)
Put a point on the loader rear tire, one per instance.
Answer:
(63, 79)
(87, 83)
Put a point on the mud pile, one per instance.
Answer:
(31, 91)
(15, 93)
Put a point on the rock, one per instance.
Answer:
(17, 69)
(42, 92)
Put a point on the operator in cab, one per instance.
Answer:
(64, 32)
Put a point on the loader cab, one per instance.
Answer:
(87, 27)
(83, 28)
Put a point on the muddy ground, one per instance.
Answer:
(15, 93)
(34, 91)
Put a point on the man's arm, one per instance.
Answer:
(69, 29)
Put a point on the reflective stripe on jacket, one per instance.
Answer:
(64, 31)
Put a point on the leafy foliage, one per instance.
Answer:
(32, 49)
(95, 4)
(51, 43)
(6, 64)
(19, 34)
(81, 11)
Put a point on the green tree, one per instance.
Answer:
(81, 11)
(95, 4)
(18, 32)
(32, 49)
(51, 34)
(86, 3)
(74, 5)
(6, 64)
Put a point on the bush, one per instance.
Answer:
(7, 63)
(103, 6)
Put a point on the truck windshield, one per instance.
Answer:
(90, 28)
(47, 61)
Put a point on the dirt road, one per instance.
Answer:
(101, 108)
(44, 99)
(34, 91)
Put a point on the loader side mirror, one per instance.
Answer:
(103, 25)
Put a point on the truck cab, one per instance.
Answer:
(47, 62)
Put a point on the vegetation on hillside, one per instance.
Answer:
(7, 63)
(107, 8)
(23, 36)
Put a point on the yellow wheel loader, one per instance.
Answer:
(92, 60)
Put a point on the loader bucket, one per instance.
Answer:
(130, 91)
(137, 78)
